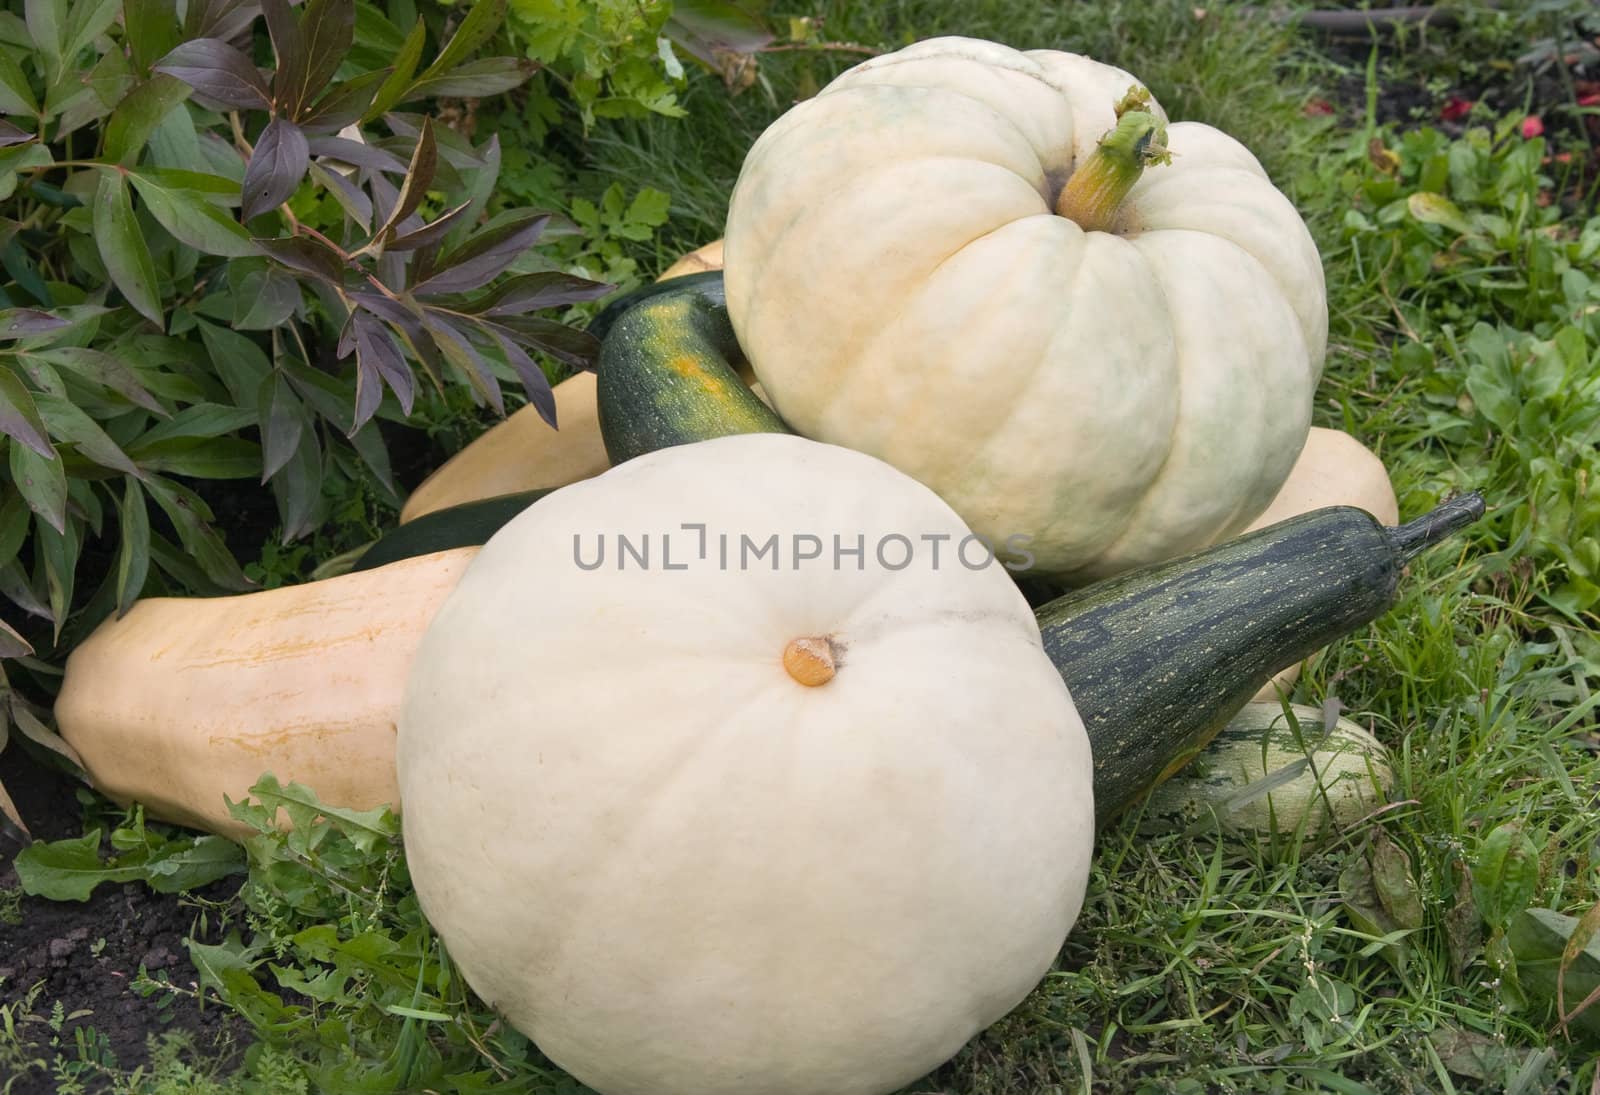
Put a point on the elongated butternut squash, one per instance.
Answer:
(185, 700)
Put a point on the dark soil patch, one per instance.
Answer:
(86, 956)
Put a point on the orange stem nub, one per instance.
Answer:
(810, 661)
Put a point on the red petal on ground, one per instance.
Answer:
(1455, 108)
(1318, 107)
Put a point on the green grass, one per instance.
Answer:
(1468, 359)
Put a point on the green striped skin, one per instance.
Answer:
(668, 373)
(707, 284)
(1159, 659)
(466, 525)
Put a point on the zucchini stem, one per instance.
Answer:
(1094, 193)
(1415, 537)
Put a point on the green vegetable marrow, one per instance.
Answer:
(668, 372)
(466, 525)
(1159, 659)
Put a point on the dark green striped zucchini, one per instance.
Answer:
(668, 371)
(1159, 659)
(466, 525)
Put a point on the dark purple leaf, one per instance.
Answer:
(489, 76)
(407, 323)
(567, 344)
(276, 167)
(305, 255)
(217, 72)
(484, 257)
(19, 417)
(327, 27)
(711, 29)
(384, 197)
(356, 154)
(344, 104)
(22, 322)
(289, 47)
(419, 174)
(550, 289)
(351, 198)
(223, 19)
(378, 356)
(453, 344)
(534, 382)
(384, 307)
(430, 233)
(10, 135)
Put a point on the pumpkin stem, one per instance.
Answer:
(810, 661)
(1095, 192)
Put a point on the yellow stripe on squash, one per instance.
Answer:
(1334, 469)
(185, 700)
(523, 452)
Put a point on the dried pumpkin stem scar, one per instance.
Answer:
(810, 661)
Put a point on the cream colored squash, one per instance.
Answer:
(523, 452)
(743, 829)
(699, 261)
(1334, 469)
(185, 700)
(935, 261)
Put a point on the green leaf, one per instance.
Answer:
(122, 247)
(14, 520)
(189, 515)
(193, 220)
(366, 829)
(13, 645)
(393, 88)
(42, 482)
(69, 424)
(483, 19)
(1540, 940)
(1506, 874)
(283, 424)
(86, 21)
(59, 553)
(200, 420)
(69, 870)
(47, 21)
(133, 554)
(107, 370)
(19, 415)
(150, 27)
(202, 457)
(139, 113)
(16, 95)
(481, 78)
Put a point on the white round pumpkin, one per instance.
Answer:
(769, 826)
(916, 269)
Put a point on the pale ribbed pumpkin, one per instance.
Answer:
(743, 828)
(973, 262)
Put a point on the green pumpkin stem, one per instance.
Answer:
(1095, 192)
